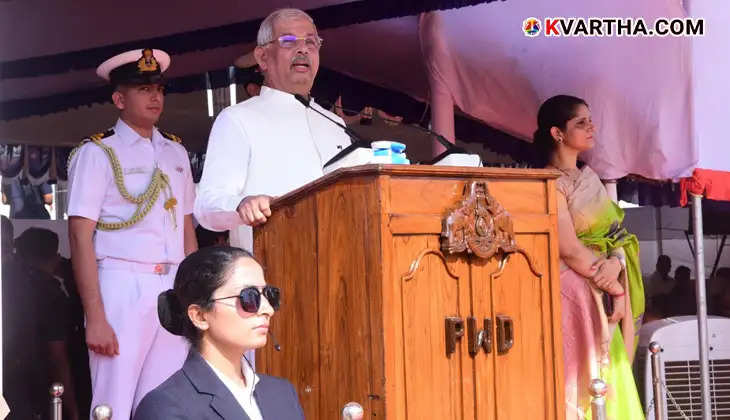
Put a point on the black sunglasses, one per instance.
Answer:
(250, 298)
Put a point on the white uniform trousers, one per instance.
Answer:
(148, 354)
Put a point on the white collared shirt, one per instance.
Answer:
(269, 144)
(243, 394)
(93, 194)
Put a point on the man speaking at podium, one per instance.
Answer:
(273, 143)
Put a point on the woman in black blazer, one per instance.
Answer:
(222, 305)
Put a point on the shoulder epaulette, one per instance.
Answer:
(92, 138)
(171, 137)
(99, 136)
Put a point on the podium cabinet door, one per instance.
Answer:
(285, 249)
(484, 388)
(525, 368)
(435, 385)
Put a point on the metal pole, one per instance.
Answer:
(656, 377)
(717, 259)
(2, 311)
(352, 411)
(659, 231)
(102, 412)
(701, 305)
(56, 402)
(598, 403)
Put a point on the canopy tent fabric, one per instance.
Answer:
(40, 58)
(714, 185)
(709, 112)
(710, 60)
(639, 88)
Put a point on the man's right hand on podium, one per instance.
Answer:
(254, 209)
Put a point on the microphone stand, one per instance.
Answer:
(356, 141)
(451, 148)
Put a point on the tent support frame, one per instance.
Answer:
(701, 305)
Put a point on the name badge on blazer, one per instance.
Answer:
(137, 170)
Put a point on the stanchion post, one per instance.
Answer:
(102, 412)
(56, 402)
(656, 377)
(598, 403)
(352, 411)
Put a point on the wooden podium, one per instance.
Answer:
(418, 292)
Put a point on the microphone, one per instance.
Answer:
(277, 347)
(462, 157)
(451, 148)
(458, 155)
(356, 140)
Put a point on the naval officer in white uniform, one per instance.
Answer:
(131, 198)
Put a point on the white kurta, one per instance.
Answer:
(270, 144)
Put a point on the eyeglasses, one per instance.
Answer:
(250, 298)
(313, 43)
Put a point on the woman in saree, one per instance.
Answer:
(601, 289)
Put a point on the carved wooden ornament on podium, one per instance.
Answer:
(479, 225)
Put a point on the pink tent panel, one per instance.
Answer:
(638, 88)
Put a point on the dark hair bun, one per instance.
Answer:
(554, 112)
(199, 275)
(170, 312)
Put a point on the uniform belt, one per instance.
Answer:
(137, 267)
